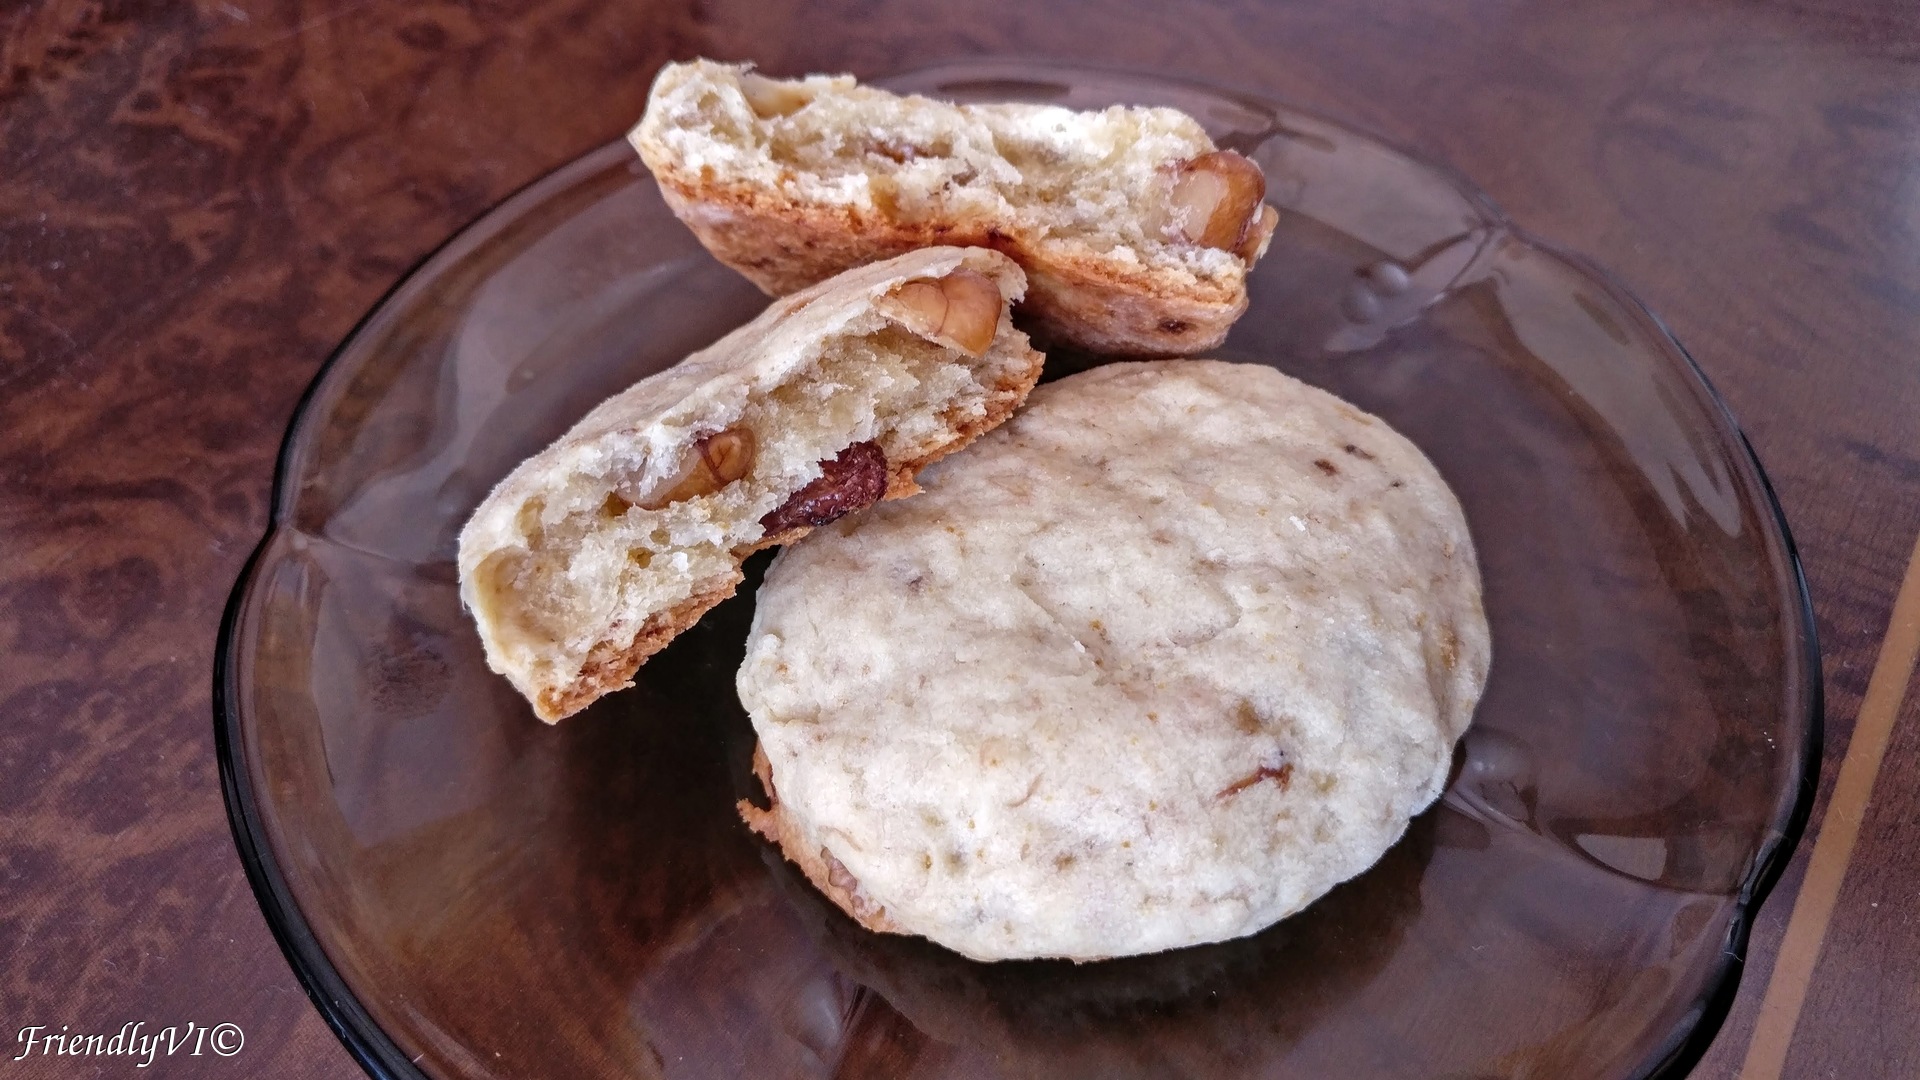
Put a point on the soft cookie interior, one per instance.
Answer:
(1099, 185)
(613, 560)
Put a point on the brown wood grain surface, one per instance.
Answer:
(197, 202)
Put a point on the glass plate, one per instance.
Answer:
(467, 892)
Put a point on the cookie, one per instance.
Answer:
(1166, 657)
(1136, 232)
(596, 551)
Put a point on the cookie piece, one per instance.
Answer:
(1166, 657)
(596, 551)
(1135, 232)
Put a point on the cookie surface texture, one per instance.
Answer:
(1159, 662)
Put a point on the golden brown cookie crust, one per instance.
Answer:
(1096, 304)
(818, 864)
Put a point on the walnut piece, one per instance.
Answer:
(713, 462)
(1216, 202)
(770, 98)
(960, 310)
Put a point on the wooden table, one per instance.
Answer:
(196, 204)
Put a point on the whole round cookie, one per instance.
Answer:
(1159, 662)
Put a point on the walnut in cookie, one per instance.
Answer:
(1137, 232)
(597, 551)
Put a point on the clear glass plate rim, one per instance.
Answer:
(377, 1053)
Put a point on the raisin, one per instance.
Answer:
(852, 480)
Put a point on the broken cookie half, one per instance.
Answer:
(596, 551)
(1136, 232)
